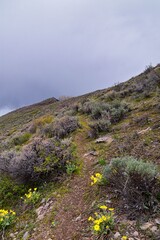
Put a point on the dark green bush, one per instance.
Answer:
(135, 181)
(10, 192)
(19, 140)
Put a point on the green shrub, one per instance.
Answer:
(19, 140)
(6, 218)
(71, 168)
(32, 196)
(40, 123)
(10, 192)
(102, 223)
(136, 181)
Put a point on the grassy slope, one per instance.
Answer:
(73, 199)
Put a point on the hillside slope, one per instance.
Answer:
(95, 156)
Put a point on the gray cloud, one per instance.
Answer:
(52, 48)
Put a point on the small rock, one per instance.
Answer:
(157, 220)
(12, 235)
(92, 153)
(106, 139)
(154, 229)
(135, 234)
(49, 238)
(78, 218)
(47, 205)
(146, 225)
(26, 236)
(144, 131)
(43, 200)
(117, 235)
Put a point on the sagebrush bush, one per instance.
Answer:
(98, 126)
(103, 115)
(64, 126)
(136, 181)
(38, 160)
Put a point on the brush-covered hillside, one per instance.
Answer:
(84, 168)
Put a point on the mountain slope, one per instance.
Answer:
(56, 146)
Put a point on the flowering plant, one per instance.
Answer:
(6, 218)
(32, 196)
(96, 179)
(103, 222)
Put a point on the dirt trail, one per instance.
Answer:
(73, 209)
(71, 216)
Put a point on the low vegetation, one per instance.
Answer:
(136, 181)
(48, 148)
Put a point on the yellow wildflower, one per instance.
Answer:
(103, 207)
(90, 219)
(96, 227)
(96, 214)
(124, 238)
(104, 218)
(98, 175)
(111, 209)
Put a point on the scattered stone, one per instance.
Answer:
(26, 236)
(44, 209)
(144, 131)
(154, 229)
(146, 225)
(106, 139)
(78, 218)
(93, 203)
(49, 238)
(43, 201)
(12, 235)
(157, 220)
(135, 234)
(117, 235)
(92, 153)
(132, 223)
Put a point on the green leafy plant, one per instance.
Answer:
(10, 191)
(32, 196)
(102, 161)
(96, 179)
(19, 140)
(103, 221)
(6, 218)
(71, 168)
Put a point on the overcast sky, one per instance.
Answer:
(71, 47)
